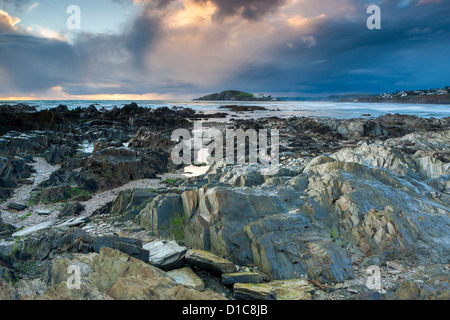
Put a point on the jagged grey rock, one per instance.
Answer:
(165, 255)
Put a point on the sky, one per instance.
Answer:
(183, 49)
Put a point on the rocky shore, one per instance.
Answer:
(96, 189)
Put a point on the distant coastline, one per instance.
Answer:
(429, 96)
(434, 99)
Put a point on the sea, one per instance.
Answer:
(322, 109)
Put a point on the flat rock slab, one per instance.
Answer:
(33, 229)
(209, 261)
(295, 289)
(129, 246)
(254, 291)
(187, 277)
(165, 255)
(17, 206)
(27, 181)
(73, 222)
(241, 277)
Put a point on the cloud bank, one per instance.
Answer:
(186, 48)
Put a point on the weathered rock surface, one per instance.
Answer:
(254, 291)
(165, 255)
(12, 171)
(349, 193)
(241, 277)
(251, 227)
(129, 203)
(132, 247)
(296, 289)
(187, 277)
(17, 206)
(434, 289)
(163, 216)
(115, 275)
(71, 209)
(210, 262)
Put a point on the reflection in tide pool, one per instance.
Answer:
(87, 147)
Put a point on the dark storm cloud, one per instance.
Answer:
(35, 64)
(409, 52)
(31, 63)
(248, 9)
(336, 54)
(140, 38)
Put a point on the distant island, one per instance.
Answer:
(234, 95)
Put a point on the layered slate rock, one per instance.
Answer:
(115, 275)
(372, 199)
(241, 277)
(254, 291)
(209, 261)
(250, 227)
(165, 255)
(217, 217)
(17, 206)
(163, 217)
(296, 289)
(129, 246)
(287, 246)
(129, 203)
(12, 171)
(71, 209)
(187, 277)
(379, 211)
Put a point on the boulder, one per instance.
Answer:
(215, 219)
(165, 255)
(33, 229)
(6, 248)
(132, 247)
(112, 167)
(17, 206)
(129, 203)
(209, 261)
(287, 246)
(295, 289)
(163, 217)
(254, 291)
(114, 275)
(6, 290)
(241, 277)
(145, 138)
(188, 278)
(12, 171)
(62, 193)
(71, 209)
(72, 222)
(436, 288)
